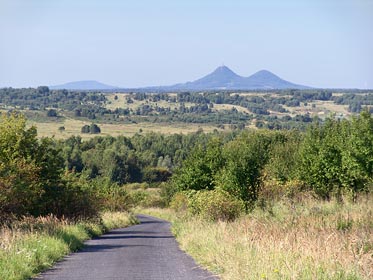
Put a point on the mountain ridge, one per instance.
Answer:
(222, 78)
(84, 85)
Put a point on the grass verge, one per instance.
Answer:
(306, 240)
(31, 245)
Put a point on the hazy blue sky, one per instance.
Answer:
(322, 43)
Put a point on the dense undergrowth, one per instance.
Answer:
(30, 245)
(306, 239)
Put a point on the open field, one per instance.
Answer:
(320, 108)
(230, 107)
(73, 127)
(305, 240)
(121, 102)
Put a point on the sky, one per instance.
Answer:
(135, 43)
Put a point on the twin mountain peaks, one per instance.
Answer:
(222, 78)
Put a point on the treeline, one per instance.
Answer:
(149, 158)
(73, 178)
(34, 179)
(42, 97)
(332, 158)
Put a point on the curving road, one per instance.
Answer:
(147, 251)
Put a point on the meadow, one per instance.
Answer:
(304, 239)
(73, 127)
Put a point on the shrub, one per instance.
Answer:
(272, 189)
(215, 205)
(179, 202)
(139, 197)
(168, 191)
(52, 113)
(85, 128)
(156, 174)
(92, 129)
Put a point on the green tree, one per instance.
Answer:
(52, 113)
(199, 169)
(357, 153)
(320, 157)
(86, 129)
(94, 129)
(19, 172)
(244, 159)
(338, 155)
(28, 167)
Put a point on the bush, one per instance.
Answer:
(168, 191)
(92, 129)
(139, 197)
(179, 202)
(156, 174)
(215, 205)
(272, 189)
(52, 113)
(85, 128)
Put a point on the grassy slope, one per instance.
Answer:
(34, 244)
(308, 240)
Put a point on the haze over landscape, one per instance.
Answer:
(163, 139)
(221, 78)
(135, 44)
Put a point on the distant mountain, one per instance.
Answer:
(221, 78)
(267, 80)
(224, 78)
(84, 85)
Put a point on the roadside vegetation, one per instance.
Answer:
(286, 239)
(248, 204)
(279, 205)
(47, 211)
(29, 245)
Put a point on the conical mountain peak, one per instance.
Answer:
(265, 74)
(221, 77)
(224, 78)
(224, 69)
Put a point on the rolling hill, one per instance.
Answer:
(84, 85)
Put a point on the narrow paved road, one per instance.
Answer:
(145, 251)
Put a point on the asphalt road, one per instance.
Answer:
(147, 251)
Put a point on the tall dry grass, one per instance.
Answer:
(29, 245)
(306, 240)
